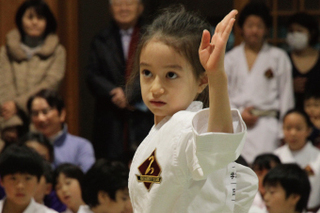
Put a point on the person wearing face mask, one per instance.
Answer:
(32, 59)
(302, 35)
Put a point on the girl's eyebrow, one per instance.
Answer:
(174, 66)
(171, 66)
(144, 64)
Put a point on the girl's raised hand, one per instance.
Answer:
(211, 54)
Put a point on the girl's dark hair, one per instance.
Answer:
(20, 159)
(293, 180)
(42, 9)
(52, 97)
(70, 171)
(180, 30)
(39, 138)
(308, 22)
(258, 9)
(302, 113)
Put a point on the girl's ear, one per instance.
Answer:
(103, 197)
(203, 82)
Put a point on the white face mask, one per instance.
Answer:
(297, 40)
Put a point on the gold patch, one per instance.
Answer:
(150, 171)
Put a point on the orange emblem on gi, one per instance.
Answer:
(150, 171)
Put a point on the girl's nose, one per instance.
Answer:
(157, 88)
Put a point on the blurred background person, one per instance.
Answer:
(259, 81)
(31, 59)
(47, 112)
(119, 127)
(303, 35)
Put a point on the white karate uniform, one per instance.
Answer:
(84, 209)
(252, 88)
(308, 155)
(33, 207)
(197, 171)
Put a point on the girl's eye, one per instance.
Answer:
(172, 75)
(146, 73)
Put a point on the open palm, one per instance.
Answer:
(211, 53)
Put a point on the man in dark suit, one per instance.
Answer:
(110, 62)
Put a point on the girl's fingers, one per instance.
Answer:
(227, 31)
(225, 21)
(205, 40)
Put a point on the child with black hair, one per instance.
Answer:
(45, 184)
(20, 171)
(297, 149)
(105, 188)
(67, 183)
(261, 166)
(312, 108)
(287, 189)
(40, 144)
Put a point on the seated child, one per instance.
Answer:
(261, 166)
(287, 189)
(67, 182)
(40, 144)
(312, 108)
(105, 188)
(20, 171)
(297, 149)
(45, 184)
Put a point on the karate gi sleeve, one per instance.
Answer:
(212, 151)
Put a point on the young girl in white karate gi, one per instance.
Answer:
(186, 163)
(296, 129)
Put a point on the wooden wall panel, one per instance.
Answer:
(66, 12)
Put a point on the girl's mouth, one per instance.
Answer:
(157, 103)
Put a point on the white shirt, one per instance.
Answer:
(126, 39)
(174, 163)
(84, 209)
(33, 207)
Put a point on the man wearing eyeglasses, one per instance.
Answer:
(110, 64)
(48, 113)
